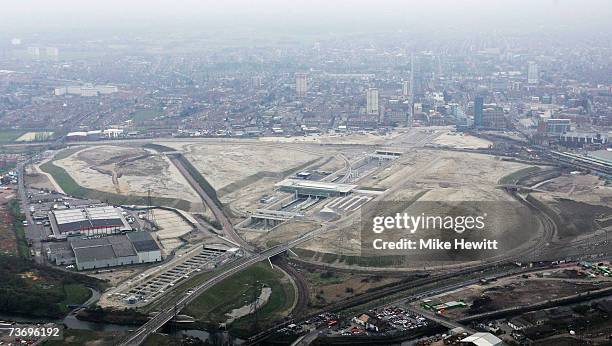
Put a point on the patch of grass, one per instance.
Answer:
(514, 177)
(75, 294)
(147, 114)
(211, 307)
(18, 217)
(9, 136)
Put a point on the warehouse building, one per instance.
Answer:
(146, 248)
(89, 221)
(115, 250)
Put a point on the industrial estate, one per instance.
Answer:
(268, 194)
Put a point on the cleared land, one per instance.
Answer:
(327, 287)
(171, 228)
(462, 141)
(517, 290)
(121, 175)
(224, 164)
(433, 175)
(585, 188)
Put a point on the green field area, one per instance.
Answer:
(210, 308)
(8, 136)
(147, 114)
(17, 222)
(514, 177)
(30, 289)
(71, 187)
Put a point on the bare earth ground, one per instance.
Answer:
(437, 175)
(583, 188)
(37, 180)
(516, 291)
(35, 169)
(127, 171)
(223, 164)
(463, 141)
(283, 233)
(171, 227)
(330, 287)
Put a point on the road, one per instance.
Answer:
(139, 335)
(228, 228)
(34, 233)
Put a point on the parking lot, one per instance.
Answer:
(155, 286)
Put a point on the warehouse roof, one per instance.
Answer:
(105, 248)
(483, 339)
(77, 219)
(94, 253)
(143, 241)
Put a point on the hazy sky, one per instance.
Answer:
(19, 15)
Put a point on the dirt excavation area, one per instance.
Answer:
(224, 164)
(127, 171)
(519, 290)
(460, 140)
(428, 175)
(587, 188)
(171, 227)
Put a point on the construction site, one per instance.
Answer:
(266, 185)
(312, 198)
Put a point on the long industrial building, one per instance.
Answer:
(315, 188)
(114, 250)
(89, 221)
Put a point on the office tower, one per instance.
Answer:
(405, 88)
(478, 109)
(34, 52)
(493, 118)
(52, 53)
(372, 101)
(532, 73)
(301, 84)
(16, 41)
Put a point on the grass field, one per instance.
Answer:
(514, 177)
(75, 294)
(147, 114)
(211, 307)
(18, 217)
(8, 136)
